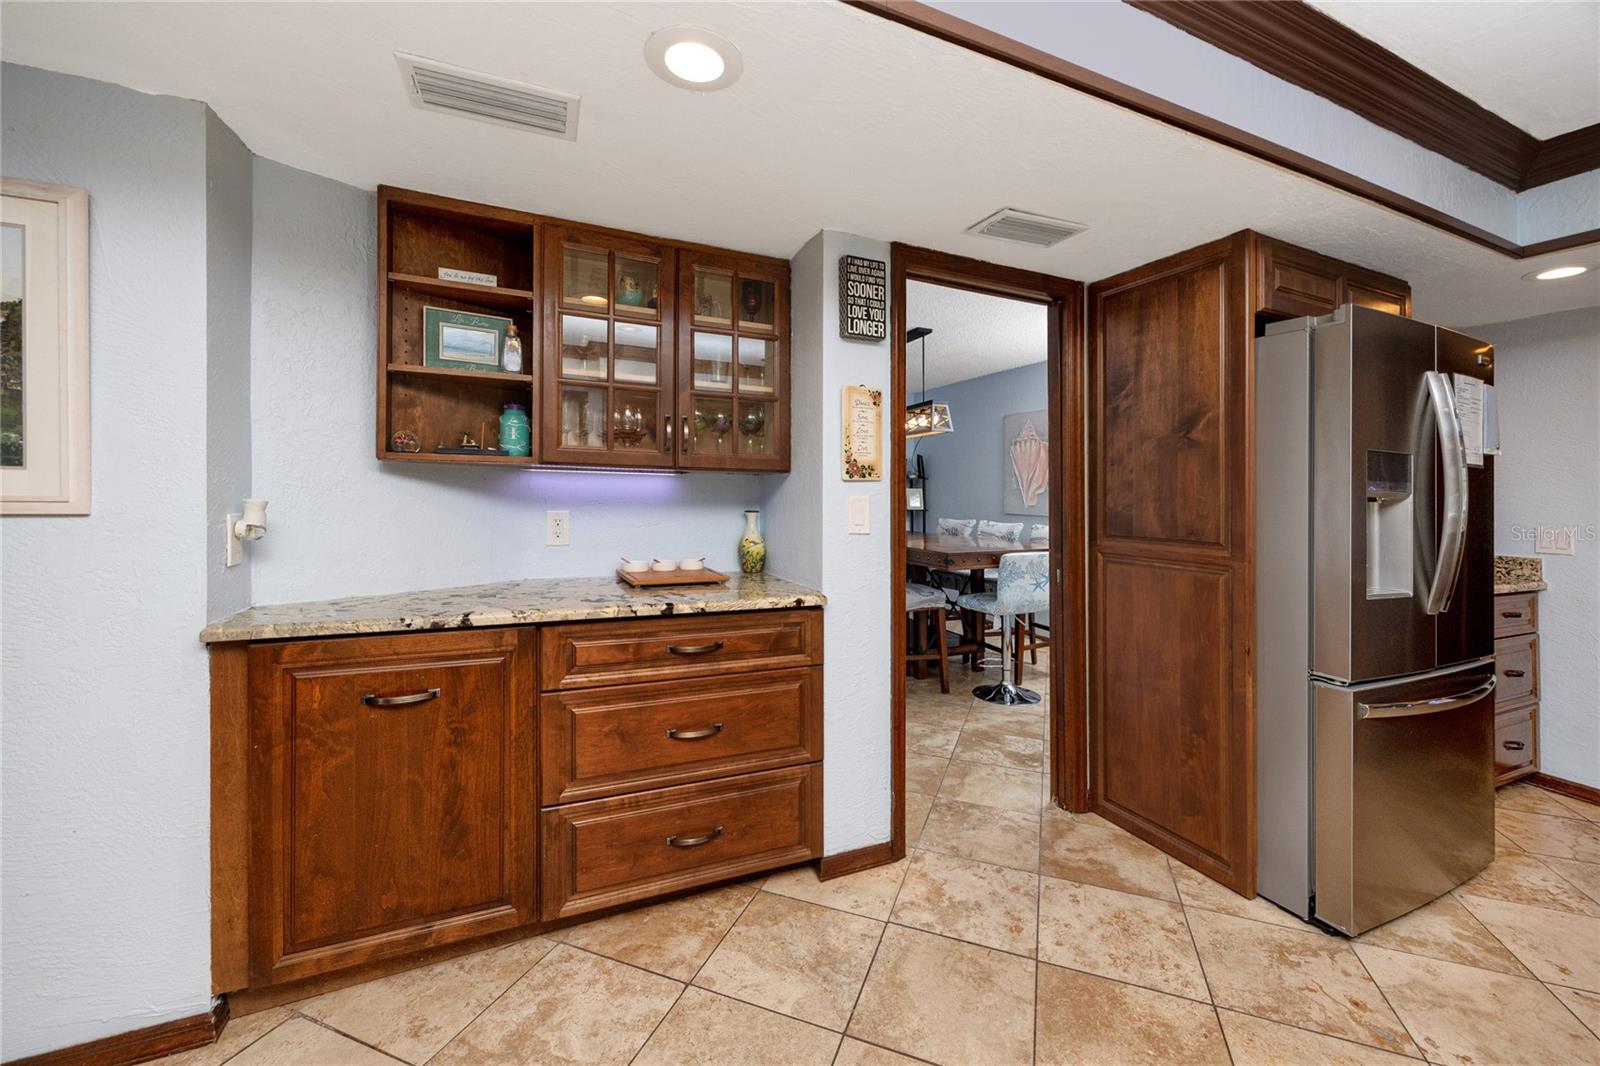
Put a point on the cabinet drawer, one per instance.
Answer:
(1516, 663)
(627, 738)
(1516, 743)
(608, 852)
(1516, 613)
(584, 654)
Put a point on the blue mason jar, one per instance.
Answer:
(516, 437)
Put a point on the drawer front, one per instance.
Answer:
(628, 738)
(581, 655)
(1516, 663)
(1516, 744)
(605, 853)
(1516, 613)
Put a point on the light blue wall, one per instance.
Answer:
(966, 469)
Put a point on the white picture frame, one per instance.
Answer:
(44, 467)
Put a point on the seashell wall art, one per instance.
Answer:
(1027, 463)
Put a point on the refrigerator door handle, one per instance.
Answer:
(1453, 528)
(1408, 708)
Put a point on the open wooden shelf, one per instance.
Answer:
(486, 295)
(484, 377)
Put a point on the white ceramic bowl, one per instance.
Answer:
(662, 566)
(692, 564)
(634, 566)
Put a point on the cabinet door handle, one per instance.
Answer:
(372, 699)
(668, 448)
(695, 842)
(695, 649)
(695, 734)
(686, 437)
(1510, 614)
(1515, 673)
(1512, 745)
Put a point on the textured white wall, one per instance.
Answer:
(103, 843)
(1547, 383)
(342, 523)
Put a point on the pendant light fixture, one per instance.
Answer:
(925, 418)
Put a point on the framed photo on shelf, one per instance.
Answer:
(44, 349)
(462, 340)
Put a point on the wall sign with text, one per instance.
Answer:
(861, 430)
(863, 299)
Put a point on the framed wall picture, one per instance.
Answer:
(862, 433)
(462, 340)
(1026, 463)
(44, 349)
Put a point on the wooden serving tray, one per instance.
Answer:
(652, 579)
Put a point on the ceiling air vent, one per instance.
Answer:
(1025, 227)
(441, 87)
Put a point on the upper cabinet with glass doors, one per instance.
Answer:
(733, 366)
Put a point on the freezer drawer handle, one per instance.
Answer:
(1512, 745)
(1453, 528)
(1411, 707)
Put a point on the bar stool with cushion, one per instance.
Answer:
(1038, 632)
(926, 606)
(1023, 588)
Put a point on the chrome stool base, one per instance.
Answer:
(1005, 693)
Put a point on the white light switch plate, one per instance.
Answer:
(860, 514)
(558, 528)
(1555, 540)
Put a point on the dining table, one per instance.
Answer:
(974, 554)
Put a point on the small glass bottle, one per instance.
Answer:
(516, 437)
(511, 361)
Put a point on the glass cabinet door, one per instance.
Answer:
(607, 398)
(732, 379)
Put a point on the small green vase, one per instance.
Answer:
(752, 546)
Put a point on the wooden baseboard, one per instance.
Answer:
(849, 862)
(1586, 793)
(140, 1045)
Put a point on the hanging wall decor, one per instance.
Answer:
(862, 433)
(863, 299)
(1027, 463)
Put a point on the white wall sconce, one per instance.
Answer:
(251, 525)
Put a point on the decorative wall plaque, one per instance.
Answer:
(863, 299)
(862, 434)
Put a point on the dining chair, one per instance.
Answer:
(1023, 588)
(926, 607)
(957, 527)
(1011, 531)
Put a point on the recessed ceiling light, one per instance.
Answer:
(693, 59)
(1556, 273)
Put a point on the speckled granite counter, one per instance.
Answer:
(1518, 573)
(506, 603)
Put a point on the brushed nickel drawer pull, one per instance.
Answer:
(695, 649)
(372, 699)
(1515, 673)
(695, 734)
(1512, 745)
(694, 842)
(1510, 614)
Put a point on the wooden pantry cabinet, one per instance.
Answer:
(637, 351)
(377, 796)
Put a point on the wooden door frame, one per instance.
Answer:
(1068, 541)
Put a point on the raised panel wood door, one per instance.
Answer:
(393, 796)
(1170, 607)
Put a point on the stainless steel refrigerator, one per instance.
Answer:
(1374, 627)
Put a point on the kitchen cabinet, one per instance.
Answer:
(1293, 281)
(1516, 666)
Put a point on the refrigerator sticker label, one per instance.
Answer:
(1469, 408)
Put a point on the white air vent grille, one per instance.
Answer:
(1025, 227)
(441, 87)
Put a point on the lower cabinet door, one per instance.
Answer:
(608, 852)
(387, 786)
(1516, 743)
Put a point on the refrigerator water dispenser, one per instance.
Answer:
(1390, 537)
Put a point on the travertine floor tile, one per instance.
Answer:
(987, 834)
(1521, 878)
(1558, 947)
(924, 772)
(573, 1007)
(1258, 1042)
(1444, 929)
(917, 806)
(1090, 850)
(299, 1042)
(1542, 834)
(705, 1029)
(237, 1035)
(1503, 844)
(1465, 1016)
(856, 1053)
(413, 1014)
(869, 892)
(1137, 939)
(1090, 1021)
(1585, 876)
(1582, 808)
(1299, 977)
(973, 901)
(1023, 720)
(1586, 1005)
(935, 715)
(1525, 797)
(798, 958)
(672, 938)
(991, 786)
(947, 1001)
(1198, 890)
(930, 739)
(1000, 749)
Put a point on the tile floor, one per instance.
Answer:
(1011, 933)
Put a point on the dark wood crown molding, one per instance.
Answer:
(1298, 43)
(964, 34)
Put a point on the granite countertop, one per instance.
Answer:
(506, 603)
(1518, 573)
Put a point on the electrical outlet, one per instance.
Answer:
(558, 528)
